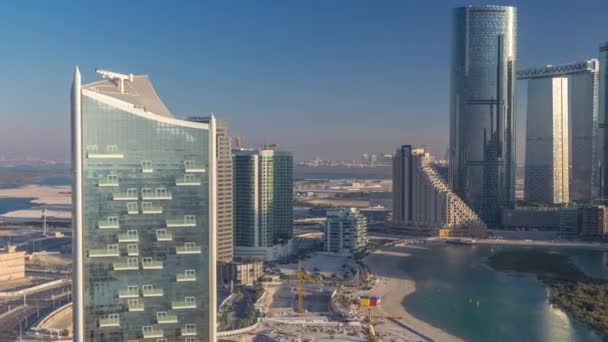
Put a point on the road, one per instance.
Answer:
(15, 315)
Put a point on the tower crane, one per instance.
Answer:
(303, 276)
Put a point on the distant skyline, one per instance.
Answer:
(328, 79)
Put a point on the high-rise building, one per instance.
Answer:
(423, 201)
(584, 144)
(225, 239)
(263, 199)
(547, 163)
(482, 108)
(603, 114)
(345, 231)
(143, 215)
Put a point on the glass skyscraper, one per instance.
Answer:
(143, 216)
(603, 114)
(482, 108)
(547, 154)
(583, 145)
(263, 197)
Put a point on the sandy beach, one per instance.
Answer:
(41, 194)
(394, 285)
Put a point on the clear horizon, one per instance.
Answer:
(322, 79)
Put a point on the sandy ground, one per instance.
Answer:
(393, 286)
(48, 195)
(326, 264)
(36, 213)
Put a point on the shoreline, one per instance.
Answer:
(393, 286)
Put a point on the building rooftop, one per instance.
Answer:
(137, 90)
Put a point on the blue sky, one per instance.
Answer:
(322, 78)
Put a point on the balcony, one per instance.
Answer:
(103, 253)
(194, 167)
(105, 155)
(108, 224)
(185, 277)
(188, 250)
(124, 196)
(110, 321)
(187, 181)
(180, 222)
(164, 237)
(152, 209)
(166, 319)
(150, 332)
(125, 266)
(152, 265)
(136, 307)
(128, 237)
(181, 305)
(132, 208)
(133, 293)
(152, 292)
(188, 331)
(106, 183)
(161, 196)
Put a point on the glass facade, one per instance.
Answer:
(482, 135)
(263, 197)
(603, 114)
(547, 153)
(145, 234)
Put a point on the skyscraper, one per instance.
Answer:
(225, 243)
(603, 114)
(345, 231)
(482, 110)
(422, 200)
(263, 199)
(143, 215)
(584, 143)
(547, 162)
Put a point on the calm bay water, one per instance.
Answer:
(452, 279)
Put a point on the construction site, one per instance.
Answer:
(322, 303)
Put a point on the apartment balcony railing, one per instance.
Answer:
(136, 307)
(153, 209)
(128, 237)
(128, 293)
(103, 253)
(188, 250)
(108, 224)
(152, 333)
(180, 222)
(166, 319)
(109, 322)
(107, 183)
(188, 331)
(152, 292)
(124, 196)
(194, 167)
(163, 196)
(164, 237)
(125, 266)
(152, 265)
(181, 305)
(185, 277)
(187, 181)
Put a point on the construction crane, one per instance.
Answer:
(369, 303)
(303, 276)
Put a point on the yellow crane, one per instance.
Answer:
(303, 276)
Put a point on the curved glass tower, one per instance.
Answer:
(143, 216)
(482, 135)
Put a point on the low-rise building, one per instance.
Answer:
(594, 221)
(531, 218)
(241, 272)
(345, 231)
(12, 264)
